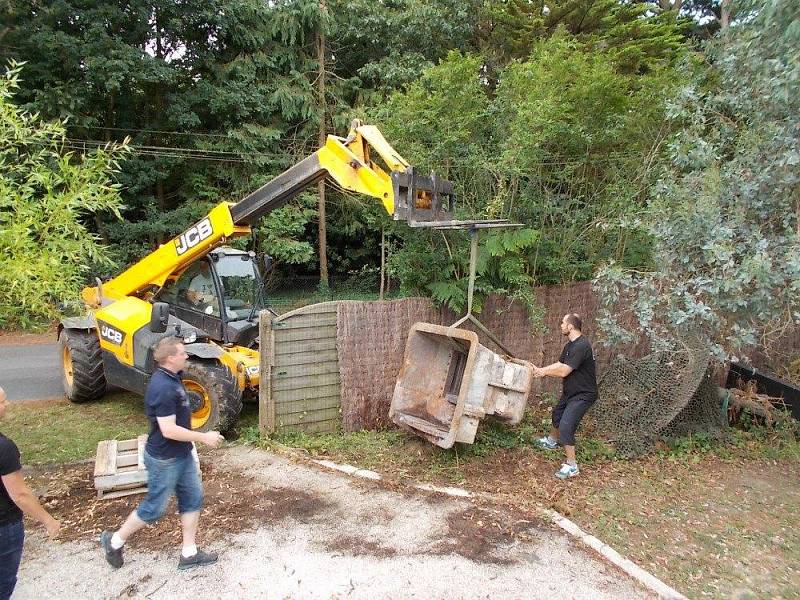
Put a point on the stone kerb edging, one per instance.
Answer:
(645, 578)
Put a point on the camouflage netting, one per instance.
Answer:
(661, 396)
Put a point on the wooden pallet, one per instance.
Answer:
(119, 468)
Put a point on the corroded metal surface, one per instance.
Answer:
(449, 382)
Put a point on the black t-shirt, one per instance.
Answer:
(165, 396)
(9, 463)
(581, 381)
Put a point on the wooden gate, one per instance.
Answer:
(300, 381)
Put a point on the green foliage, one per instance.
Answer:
(552, 118)
(218, 97)
(282, 233)
(45, 194)
(638, 36)
(562, 142)
(386, 45)
(691, 446)
(724, 215)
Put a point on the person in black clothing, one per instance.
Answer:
(16, 499)
(170, 458)
(577, 368)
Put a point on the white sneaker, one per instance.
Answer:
(546, 443)
(566, 471)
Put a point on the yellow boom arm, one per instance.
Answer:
(404, 194)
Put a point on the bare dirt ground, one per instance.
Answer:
(25, 338)
(285, 529)
(706, 525)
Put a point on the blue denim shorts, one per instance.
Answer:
(165, 477)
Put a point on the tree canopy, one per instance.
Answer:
(724, 215)
(46, 194)
(607, 128)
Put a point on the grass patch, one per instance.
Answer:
(400, 454)
(247, 427)
(285, 300)
(292, 299)
(713, 519)
(60, 431)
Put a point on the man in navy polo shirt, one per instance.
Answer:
(577, 369)
(170, 460)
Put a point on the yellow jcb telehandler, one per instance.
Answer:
(113, 343)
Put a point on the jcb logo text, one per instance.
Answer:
(110, 334)
(193, 236)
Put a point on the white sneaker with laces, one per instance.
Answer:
(566, 471)
(545, 442)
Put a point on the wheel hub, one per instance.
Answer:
(196, 401)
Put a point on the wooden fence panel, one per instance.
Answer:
(300, 370)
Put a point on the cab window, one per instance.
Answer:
(193, 290)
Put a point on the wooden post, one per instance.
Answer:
(266, 403)
(724, 14)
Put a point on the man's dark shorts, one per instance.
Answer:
(568, 413)
(178, 475)
(12, 536)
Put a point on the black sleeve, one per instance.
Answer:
(577, 356)
(9, 457)
(562, 358)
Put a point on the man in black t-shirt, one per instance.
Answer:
(170, 459)
(16, 499)
(577, 368)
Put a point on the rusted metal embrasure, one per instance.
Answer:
(449, 382)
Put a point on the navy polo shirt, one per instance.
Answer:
(165, 396)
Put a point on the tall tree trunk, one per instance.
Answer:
(101, 227)
(162, 203)
(383, 260)
(724, 14)
(323, 237)
(160, 196)
(159, 106)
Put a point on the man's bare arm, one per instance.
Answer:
(171, 430)
(21, 495)
(557, 369)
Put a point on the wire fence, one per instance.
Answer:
(288, 292)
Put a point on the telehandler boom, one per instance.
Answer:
(113, 343)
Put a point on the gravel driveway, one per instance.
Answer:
(337, 537)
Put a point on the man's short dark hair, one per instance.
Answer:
(574, 320)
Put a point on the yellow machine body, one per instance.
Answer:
(120, 309)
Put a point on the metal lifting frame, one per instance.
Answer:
(474, 229)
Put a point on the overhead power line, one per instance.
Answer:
(157, 131)
(182, 152)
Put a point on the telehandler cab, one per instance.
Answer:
(113, 343)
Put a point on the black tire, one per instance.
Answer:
(214, 387)
(82, 373)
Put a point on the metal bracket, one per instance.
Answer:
(422, 199)
(473, 261)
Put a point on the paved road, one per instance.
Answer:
(30, 372)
